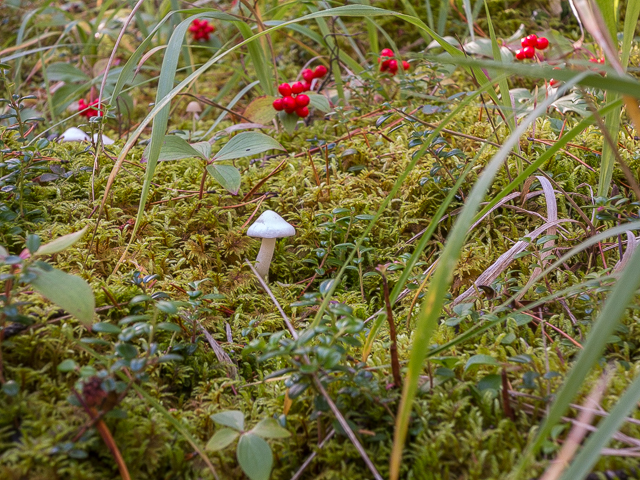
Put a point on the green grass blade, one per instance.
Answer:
(260, 59)
(590, 453)
(442, 16)
(507, 106)
(612, 121)
(427, 319)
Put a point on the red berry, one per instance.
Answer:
(302, 112)
(297, 88)
(393, 66)
(320, 71)
(533, 40)
(542, 43)
(386, 52)
(308, 74)
(593, 60)
(302, 100)
(307, 86)
(520, 54)
(278, 104)
(289, 104)
(384, 66)
(601, 60)
(529, 52)
(284, 89)
(406, 65)
(553, 82)
(524, 42)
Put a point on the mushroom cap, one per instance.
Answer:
(74, 134)
(194, 107)
(105, 140)
(271, 225)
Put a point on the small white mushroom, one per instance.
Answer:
(105, 140)
(74, 134)
(269, 227)
(194, 109)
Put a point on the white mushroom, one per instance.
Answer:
(74, 134)
(269, 227)
(194, 109)
(105, 140)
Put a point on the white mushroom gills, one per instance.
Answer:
(269, 227)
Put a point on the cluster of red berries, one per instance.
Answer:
(89, 109)
(388, 63)
(529, 45)
(293, 99)
(200, 30)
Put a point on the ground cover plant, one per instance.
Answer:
(319, 240)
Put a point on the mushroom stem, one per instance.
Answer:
(264, 257)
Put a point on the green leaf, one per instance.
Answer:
(261, 110)
(289, 121)
(320, 102)
(176, 148)
(69, 292)
(246, 144)
(480, 360)
(226, 175)
(65, 72)
(33, 243)
(269, 428)
(221, 439)
(106, 327)
(230, 418)
(255, 457)
(61, 243)
(204, 148)
(67, 365)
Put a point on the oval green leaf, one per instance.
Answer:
(246, 144)
(222, 439)
(230, 418)
(480, 359)
(226, 175)
(69, 292)
(269, 428)
(60, 243)
(255, 457)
